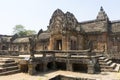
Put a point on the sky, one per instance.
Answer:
(35, 14)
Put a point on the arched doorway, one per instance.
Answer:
(50, 65)
(58, 44)
(39, 67)
(24, 68)
(4, 47)
(78, 67)
(61, 65)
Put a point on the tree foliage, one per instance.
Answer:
(21, 31)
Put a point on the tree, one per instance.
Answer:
(18, 28)
(30, 32)
(21, 31)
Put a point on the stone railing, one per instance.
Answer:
(4, 52)
(64, 53)
(10, 53)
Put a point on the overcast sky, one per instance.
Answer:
(35, 14)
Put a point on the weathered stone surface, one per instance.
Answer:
(74, 41)
(31, 68)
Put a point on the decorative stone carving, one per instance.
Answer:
(71, 21)
(56, 22)
(61, 22)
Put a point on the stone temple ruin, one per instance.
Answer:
(92, 46)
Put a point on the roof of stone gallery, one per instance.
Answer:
(5, 39)
(44, 36)
(93, 27)
(21, 40)
(115, 26)
(97, 25)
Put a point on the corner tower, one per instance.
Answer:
(102, 15)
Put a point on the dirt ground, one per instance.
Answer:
(50, 74)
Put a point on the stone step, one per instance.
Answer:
(102, 58)
(101, 61)
(8, 64)
(7, 61)
(107, 67)
(106, 70)
(109, 62)
(9, 72)
(113, 65)
(117, 68)
(106, 60)
(8, 68)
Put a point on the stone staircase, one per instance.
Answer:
(8, 66)
(106, 65)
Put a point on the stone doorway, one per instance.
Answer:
(39, 67)
(78, 67)
(61, 65)
(4, 48)
(58, 45)
(24, 68)
(50, 65)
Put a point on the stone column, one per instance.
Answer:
(91, 67)
(54, 65)
(64, 43)
(68, 45)
(51, 45)
(80, 42)
(20, 66)
(31, 68)
(69, 67)
(22, 48)
(44, 55)
(45, 67)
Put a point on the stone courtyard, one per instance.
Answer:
(50, 74)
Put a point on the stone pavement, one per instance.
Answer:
(50, 74)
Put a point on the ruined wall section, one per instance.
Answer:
(114, 40)
(95, 34)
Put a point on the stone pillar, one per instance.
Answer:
(31, 68)
(91, 67)
(22, 48)
(68, 45)
(44, 55)
(20, 66)
(80, 42)
(64, 43)
(54, 65)
(69, 67)
(45, 67)
(51, 45)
